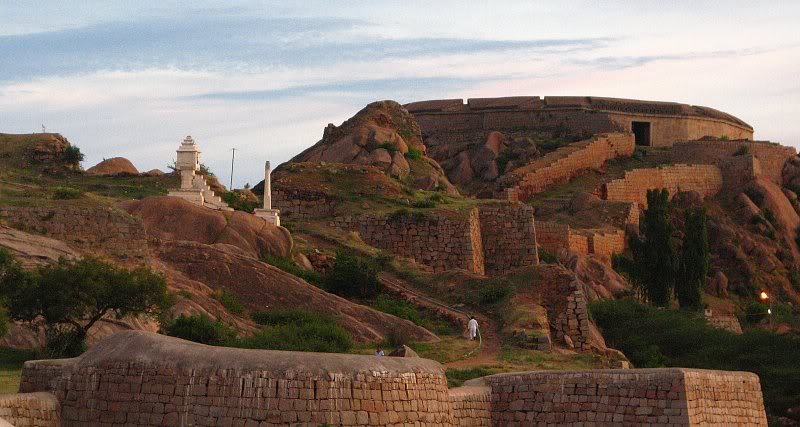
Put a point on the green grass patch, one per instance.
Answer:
(457, 377)
(298, 330)
(66, 193)
(286, 264)
(230, 301)
(11, 362)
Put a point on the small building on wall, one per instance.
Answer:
(657, 124)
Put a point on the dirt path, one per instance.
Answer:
(490, 338)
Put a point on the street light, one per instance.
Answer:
(765, 297)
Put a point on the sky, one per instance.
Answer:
(131, 79)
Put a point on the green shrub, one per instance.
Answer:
(414, 153)
(755, 312)
(388, 146)
(62, 342)
(229, 300)
(400, 308)
(298, 330)
(3, 321)
(73, 155)
(456, 377)
(65, 193)
(424, 204)
(724, 138)
(200, 328)
(489, 292)
(660, 337)
(352, 276)
(286, 264)
(239, 202)
(547, 257)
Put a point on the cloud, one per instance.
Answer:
(619, 62)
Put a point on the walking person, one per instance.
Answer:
(472, 328)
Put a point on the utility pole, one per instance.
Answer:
(233, 157)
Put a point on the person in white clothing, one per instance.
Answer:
(472, 328)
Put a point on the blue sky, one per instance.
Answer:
(133, 78)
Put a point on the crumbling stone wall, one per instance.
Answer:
(604, 244)
(303, 204)
(471, 406)
(771, 157)
(508, 237)
(30, 409)
(564, 164)
(704, 179)
(452, 121)
(441, 241)
(105, 231)
(555, 237)
(673, 396)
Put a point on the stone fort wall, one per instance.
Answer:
(490, 238)
(452, 121)
(103, 231)
(704, 179)
(555, 237)
(770, 157)
(140, 378)
(30, 410)
(669, 396)
(564, 164)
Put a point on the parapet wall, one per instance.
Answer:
(704, 179)
(771, 157)
(555, 237)
(679, 397)
(453, 121)
(103, 231)
(564, 164)
(303, 205)
(508, 237)
(139, 379)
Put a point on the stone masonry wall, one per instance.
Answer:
(771, 157)
(605, 243)
(566, 163)
(471, 406)
(679, 397)
(303, 205)
(443, 241)
(555, 237)
(103, 231)
(30, 409)
(705, 179)
(508, 237)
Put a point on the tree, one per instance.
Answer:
(694, 261)
(352, 276)
(71, 296)
(73, 155)
(654, 251)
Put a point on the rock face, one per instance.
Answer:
(113, 166)
(172, 218)
(385, 135)
(33, 250)
(262, 286)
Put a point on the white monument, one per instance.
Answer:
(194, 187)
(270, 215)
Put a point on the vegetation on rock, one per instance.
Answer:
(694, 261)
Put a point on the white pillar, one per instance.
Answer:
(267, 188)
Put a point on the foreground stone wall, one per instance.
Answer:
(441, 241)
(564, 164)
(771, 157)
(140, 378)
(104, 231)
(508, 237)
(704, 179)
(30, 409)
(632, 397)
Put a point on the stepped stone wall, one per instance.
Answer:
(104, 231)
(440, 242)
(137, 378)
(452, 121)
(770, 158)
(555, 237)
(508, 237)
(30, 410)
(680, 397)
(564, 164)
(705, 179)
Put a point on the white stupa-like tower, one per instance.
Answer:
(270, 215)
(194, 187)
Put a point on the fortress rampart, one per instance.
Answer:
(555, 237)
(733, 158)
(704, 179)
(141, 379)
(658, 124)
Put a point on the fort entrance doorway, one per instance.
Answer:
(641, 132)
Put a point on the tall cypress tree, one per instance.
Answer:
(654, 252)
(694, 261)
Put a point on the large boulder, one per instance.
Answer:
(112, 167)
(384, 135)
(33, 250)
(172, 218)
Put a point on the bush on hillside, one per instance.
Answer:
(200, 328)
(286, 264)
(237, 201)
(352, 276)
(413, 153)
(547, 257)
(66, 193)
(298, 330)
(652, 337)
(396, 307)
(230, 301)
(73, 155)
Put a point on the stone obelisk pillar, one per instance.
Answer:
(270, 215)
